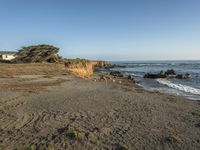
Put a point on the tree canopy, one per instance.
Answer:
(37, 53)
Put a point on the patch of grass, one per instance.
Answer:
(196, 114)
(73, 133)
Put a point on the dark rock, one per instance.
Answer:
(129, 77)
(162, 72)
(108, 66)
(155, 76)
(170, 72)
(183, 76)
(116, 73)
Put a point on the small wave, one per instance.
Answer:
(136, 75)
(180, 87)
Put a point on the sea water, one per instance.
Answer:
(189, 88)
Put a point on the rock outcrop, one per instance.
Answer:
(155, 76)
(166, 74)
(103, 64)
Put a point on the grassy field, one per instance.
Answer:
(10, 70)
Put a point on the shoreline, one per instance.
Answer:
(167, 76)
(61, 111)
(161, 90)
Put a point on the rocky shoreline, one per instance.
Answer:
(168, 73)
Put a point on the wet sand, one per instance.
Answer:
(66, 112)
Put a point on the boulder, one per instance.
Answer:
(183, 76)
(170, 72)
(116, 74)
(129, 77)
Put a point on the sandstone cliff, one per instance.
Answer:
(81, 69)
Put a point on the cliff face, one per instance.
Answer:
(81, 69)
(85, 68)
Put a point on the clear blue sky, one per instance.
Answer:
(104, 29)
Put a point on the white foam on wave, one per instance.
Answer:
(184, 88)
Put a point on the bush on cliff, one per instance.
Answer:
(37, 54)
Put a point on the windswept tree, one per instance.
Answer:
(37, 54)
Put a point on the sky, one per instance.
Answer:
(105, 29)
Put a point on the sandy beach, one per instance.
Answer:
(66, 112)
(100, 75)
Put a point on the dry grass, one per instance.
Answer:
(10, 70)
(81, 69)
(11, 82)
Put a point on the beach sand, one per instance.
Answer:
(66, 112)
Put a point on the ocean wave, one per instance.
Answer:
(146, 64)
(180, 87)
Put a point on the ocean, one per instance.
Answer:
(189, 88)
